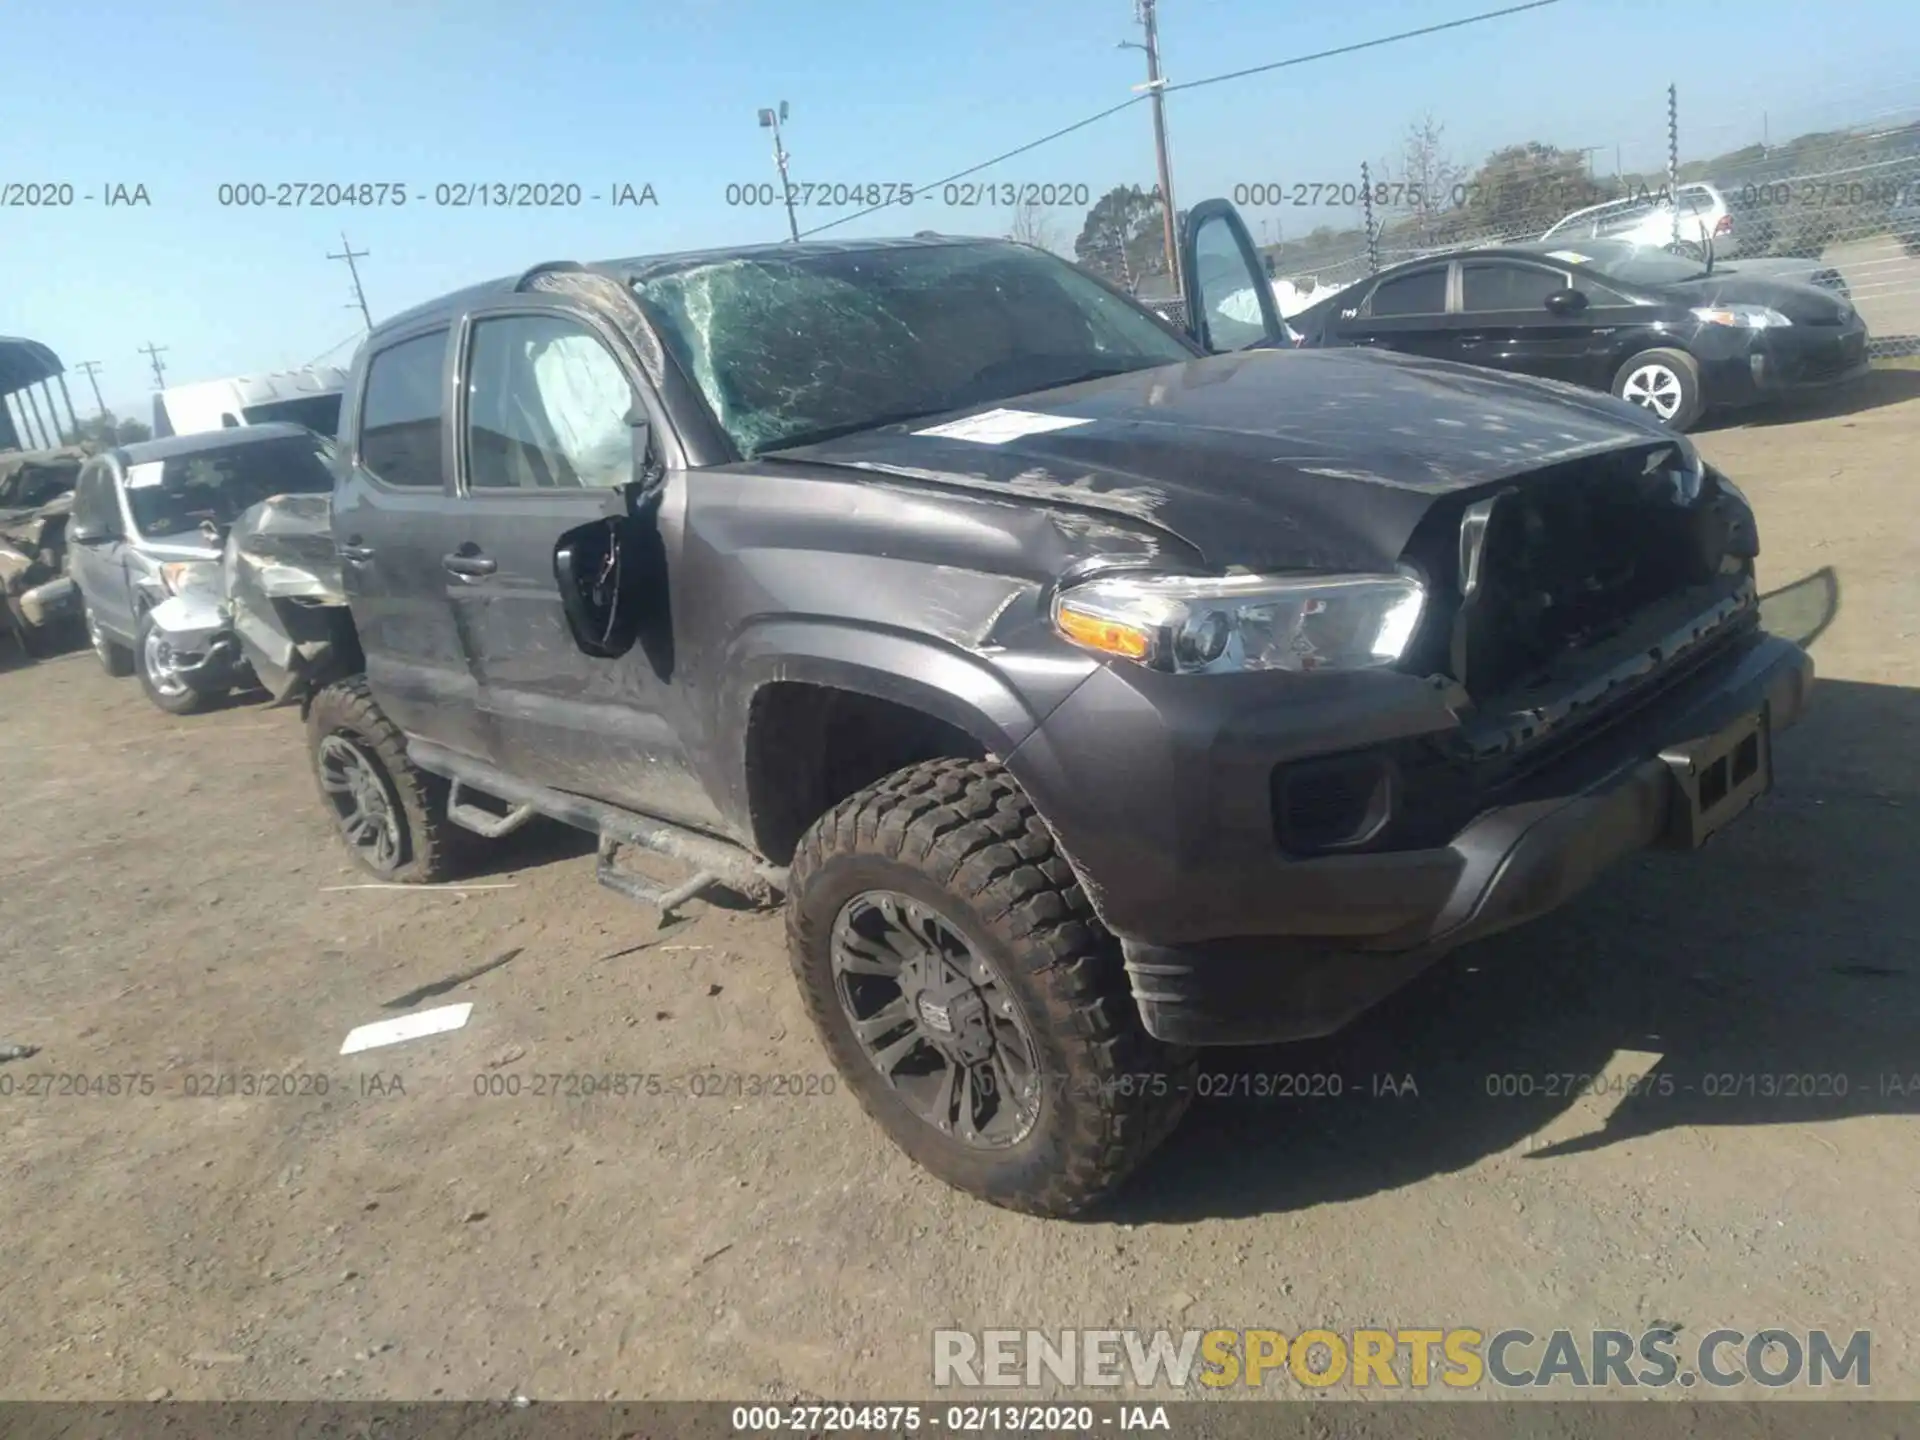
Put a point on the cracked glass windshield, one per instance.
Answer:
(790, 349)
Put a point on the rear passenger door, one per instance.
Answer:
(548, 402)
(1504, 322)
(391, 526)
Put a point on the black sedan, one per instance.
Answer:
(1673, 334)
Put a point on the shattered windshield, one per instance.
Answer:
(788, 349)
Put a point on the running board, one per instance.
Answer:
(713, 861)
(482, 821)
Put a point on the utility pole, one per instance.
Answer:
(1144, 16)
(91, 368)
(349, 254)
(1156, 86)
(153, 353)
(770, 120)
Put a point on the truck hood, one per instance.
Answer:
(1271, 459)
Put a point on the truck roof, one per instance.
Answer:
(639, 267)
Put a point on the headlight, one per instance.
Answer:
(178, 575)
(1741, 317)
(1193, 624)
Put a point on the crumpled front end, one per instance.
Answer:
(199, 637)
(33, 567)
(284, 592)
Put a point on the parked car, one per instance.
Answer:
(1688, 219)
(1662, 331)
(36, 491)
(1089, 697)
(148, 524)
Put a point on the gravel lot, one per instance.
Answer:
(173, 906)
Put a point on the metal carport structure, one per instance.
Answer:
(25, 364)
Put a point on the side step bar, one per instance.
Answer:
(714, 861)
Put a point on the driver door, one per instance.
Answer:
(1228, 296)
(547, 405)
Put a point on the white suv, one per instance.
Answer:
(1649, 219)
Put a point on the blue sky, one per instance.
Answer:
(190, 94)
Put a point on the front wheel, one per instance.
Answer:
(1666, 382)
(968, 995)
(391, 813)
(166, 687)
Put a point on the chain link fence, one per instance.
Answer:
(1836, 202)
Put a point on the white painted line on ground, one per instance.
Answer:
(406, 1027)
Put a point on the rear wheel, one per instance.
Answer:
(968, 995)
(166, 687)
(1666, 382)
(114, 658)
(391, 813)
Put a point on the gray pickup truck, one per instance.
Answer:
(1090, 690)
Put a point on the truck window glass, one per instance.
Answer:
(1226, 289)
(400, 417)
(547, 405)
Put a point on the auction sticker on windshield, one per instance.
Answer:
(996, 427)
(148, 473)
(1572, 257)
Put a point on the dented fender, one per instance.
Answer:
(997, 698)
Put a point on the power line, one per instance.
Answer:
(1165, 89)
(1364, 45)
(984, 164)
(333, 347)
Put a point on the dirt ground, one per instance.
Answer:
(174, 907)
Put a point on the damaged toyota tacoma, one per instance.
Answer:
(1090, 691)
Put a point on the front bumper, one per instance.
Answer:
(1228, 941)
(205, 653)
(1753, 366)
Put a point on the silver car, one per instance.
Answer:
(146, 532)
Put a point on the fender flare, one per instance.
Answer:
(944, 681)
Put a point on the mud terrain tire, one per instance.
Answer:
(958, 843)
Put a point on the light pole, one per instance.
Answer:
(770, 120)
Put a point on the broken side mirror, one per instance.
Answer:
(599, 567)
(594, 566)
(86, 532)
(1566, 302)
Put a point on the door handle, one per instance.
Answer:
(353, 552)
(468, 564)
